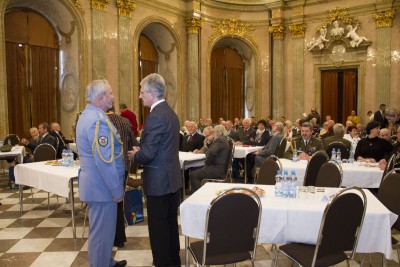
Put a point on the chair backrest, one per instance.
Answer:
(313, 166)
(389, 194)
(341, 224)
(281, 148)
(390, 165)
(269, 168)
(344, 151)
(13, 138)
(44, 152)
(228, 167)
(232, 224)
(330, 175)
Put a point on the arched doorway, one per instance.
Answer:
(227, 84)
(32, 61)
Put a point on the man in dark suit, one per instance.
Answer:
(192, 140)
(231, 131)
(338, 131)
(62, 141)
(379, 116)
(159, 155)
(44, 137)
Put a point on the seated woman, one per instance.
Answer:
(261, 136)
(372, 148)
(352, 136)
(216, 159)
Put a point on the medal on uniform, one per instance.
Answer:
(103, 141)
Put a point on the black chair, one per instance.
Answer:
(229, 238)
(345, 153)
(44, 152)
(390, 165)
(281, 148)
(389, 195)
(330, 175)
(340, 228)
(267, 172)
(313, 166)
(228, 166)
(12, 138)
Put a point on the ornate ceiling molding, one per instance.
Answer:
(384, 18)
(298, 30)
(193, 25)
(277, 32)
(126, 8)
(339, 14)
(231, 28)
(100, 4)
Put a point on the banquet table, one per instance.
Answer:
(16, 152)
(241, 151)
(287, 220)
(189, 160)
(353, 174)
(55, 179)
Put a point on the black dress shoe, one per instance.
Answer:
(119, 244)
(120, 263)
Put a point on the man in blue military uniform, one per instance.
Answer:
(101, 175)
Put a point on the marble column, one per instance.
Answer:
(278, 90)
(125, 68)
(383, 22)
(193, 26)
(99, 8)
(298, 32)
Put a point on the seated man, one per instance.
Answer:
(338, 133)
(257, 158)
(245, 134)
(306, 143)
(44, 137)
(395, 151)
(385, 134)
(231, 132)
(216, 159)
(208, 139)
(192, 140)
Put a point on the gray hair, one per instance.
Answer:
(280, 126)
(220, 130)
(154, 83)
(391, 111)
(307, 125)
(209, 128)
(338, 129)
(95, 89)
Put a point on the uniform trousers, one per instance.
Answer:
(102, 220)
(162, 214)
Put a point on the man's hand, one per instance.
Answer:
(303, 156)
(119, 199)
(132, 153)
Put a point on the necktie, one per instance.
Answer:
(190, 136)
(306, 142)
(40, 139)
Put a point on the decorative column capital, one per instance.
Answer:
(78, 5)
(384, 18)
(100, 4)
(197, 5)
(298, 30)
(277, 32)
(193, 25)
(125, 8)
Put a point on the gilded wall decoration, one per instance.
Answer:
(68, 34)
(125, 8)
(100, 4)
(193, 25)
(384, 18)
(197, 5)
(298, 11)
(78, 5)
(277, 32)
(276, 13)
(231, 28)
(298, 30)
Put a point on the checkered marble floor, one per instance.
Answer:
(43, 237)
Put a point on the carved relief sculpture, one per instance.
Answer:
(355, 38)
(337, 31)
(320, 41)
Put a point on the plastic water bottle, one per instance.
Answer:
(293, 185)
(278, 184)
(339, 156)
(285, 184)
(294, 159)
(64, 160)
(351, 156)
(333, 157)
(71, 157)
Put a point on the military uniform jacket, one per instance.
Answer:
(159, 152)
(101, 176)
(313, 146)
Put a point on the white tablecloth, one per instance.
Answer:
(242, 151)
(16, 151)
(191, 160)
(53, 179)
(292, 220)
(353, 175)
(73, 147)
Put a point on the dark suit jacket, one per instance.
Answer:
(195, 142)
(335, 138)
(48, 139)
(313, 146)
(234, 135)
(159, 152)
(381, 119)
(244, 136)
(265, 137)
(270, 149)
(61, 144)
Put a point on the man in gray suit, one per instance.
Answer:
(257, 158)
(159, 154)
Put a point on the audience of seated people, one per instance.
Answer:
(44, 137)
(338, 134)
(193, 140)
(232, 133)
(261, 136)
